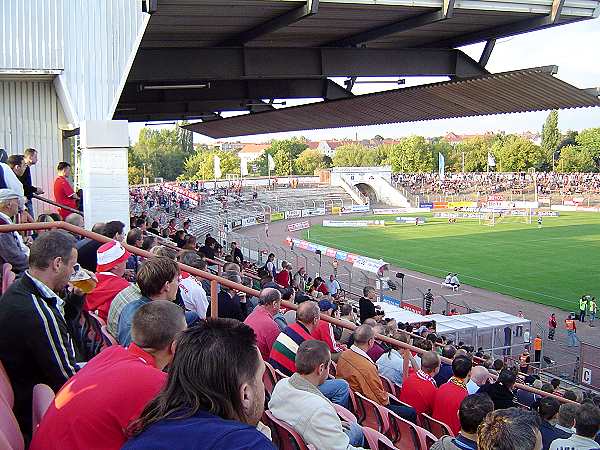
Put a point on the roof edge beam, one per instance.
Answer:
(501, 31)
(181, 65)
(309, 8)
(444, 13)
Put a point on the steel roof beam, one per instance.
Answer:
(428, 18)
(309, 8)
(511, 29)
(180, 65)
(487, 52)
(239, 89)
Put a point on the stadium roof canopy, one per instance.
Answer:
(508, 92)
(199, 58)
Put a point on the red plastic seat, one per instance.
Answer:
(373, 414)
(109, 339)
(344, 414)
(398, 389)
(376, 440)
(4, 444)
(8, 276)
(404, 434)
(269, 378)
(436, 427)
(43, 396)
(283, 435)
(10, 428)
(388, 385)
(6, 390)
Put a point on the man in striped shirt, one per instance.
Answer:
(35, 343)
(283, 353)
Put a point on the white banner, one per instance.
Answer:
(384, 211)
(368, 264)
(244, 167)
(309, 212)
(248, 221)
(298, 226)
(353, 223)
(271, 162)
(293, 214)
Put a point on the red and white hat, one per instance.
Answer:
(111, 254)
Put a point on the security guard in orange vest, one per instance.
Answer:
(571, 330)
(537, 348)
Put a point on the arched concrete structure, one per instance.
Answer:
(376, 180)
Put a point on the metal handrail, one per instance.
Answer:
(58, 205)
(215, 280)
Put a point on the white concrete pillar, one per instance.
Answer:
(103, 176)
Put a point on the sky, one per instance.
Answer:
(574, 48)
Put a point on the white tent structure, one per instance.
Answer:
(401, 315)
(495, 331)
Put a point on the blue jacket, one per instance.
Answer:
(202, 431)
(125, 319)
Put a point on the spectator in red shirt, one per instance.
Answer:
(63, 191)
(261, 320)
(324, 331)
(112, 258)
(93, 409)
(283, 277)
(451, 394)
(320, 286)
(419, 389)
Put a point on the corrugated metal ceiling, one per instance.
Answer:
(508, 92)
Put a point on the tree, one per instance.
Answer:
(200, 166)
(476, 151)
(308, 161)
(575, 158)
(135, 175)
(158, 153)
(516, 154)
(411, 154)
(551, 136)
(350, 155)
(284, 152)
(440, 145)
(590, 139)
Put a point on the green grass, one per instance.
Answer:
(553, 265)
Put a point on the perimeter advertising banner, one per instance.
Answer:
(293, 214)
(359, 262)
(310, 212)
(355, 209)
(275, 216)
(298, 226)
(336, 210)
(353, 223)
(248, 221)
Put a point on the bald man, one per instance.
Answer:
(419, 389)
(479, 376)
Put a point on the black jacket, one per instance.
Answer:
(25, 180)
(230, 307)
(501, 396)
(35, 344)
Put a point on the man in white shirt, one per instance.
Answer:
(333, 286)
(454, 280)
(192, 293)
(297, 401)
(587, 424)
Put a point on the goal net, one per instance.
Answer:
(494, 218)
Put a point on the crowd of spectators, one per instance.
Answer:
(493, 182)
(177, 380)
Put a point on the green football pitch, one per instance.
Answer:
(553, 265)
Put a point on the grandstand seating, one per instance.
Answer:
(282, 434)
(43, 396)
(9, 428)
(373, 414)
(6, 391)
(377, 440)
(437, 428)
